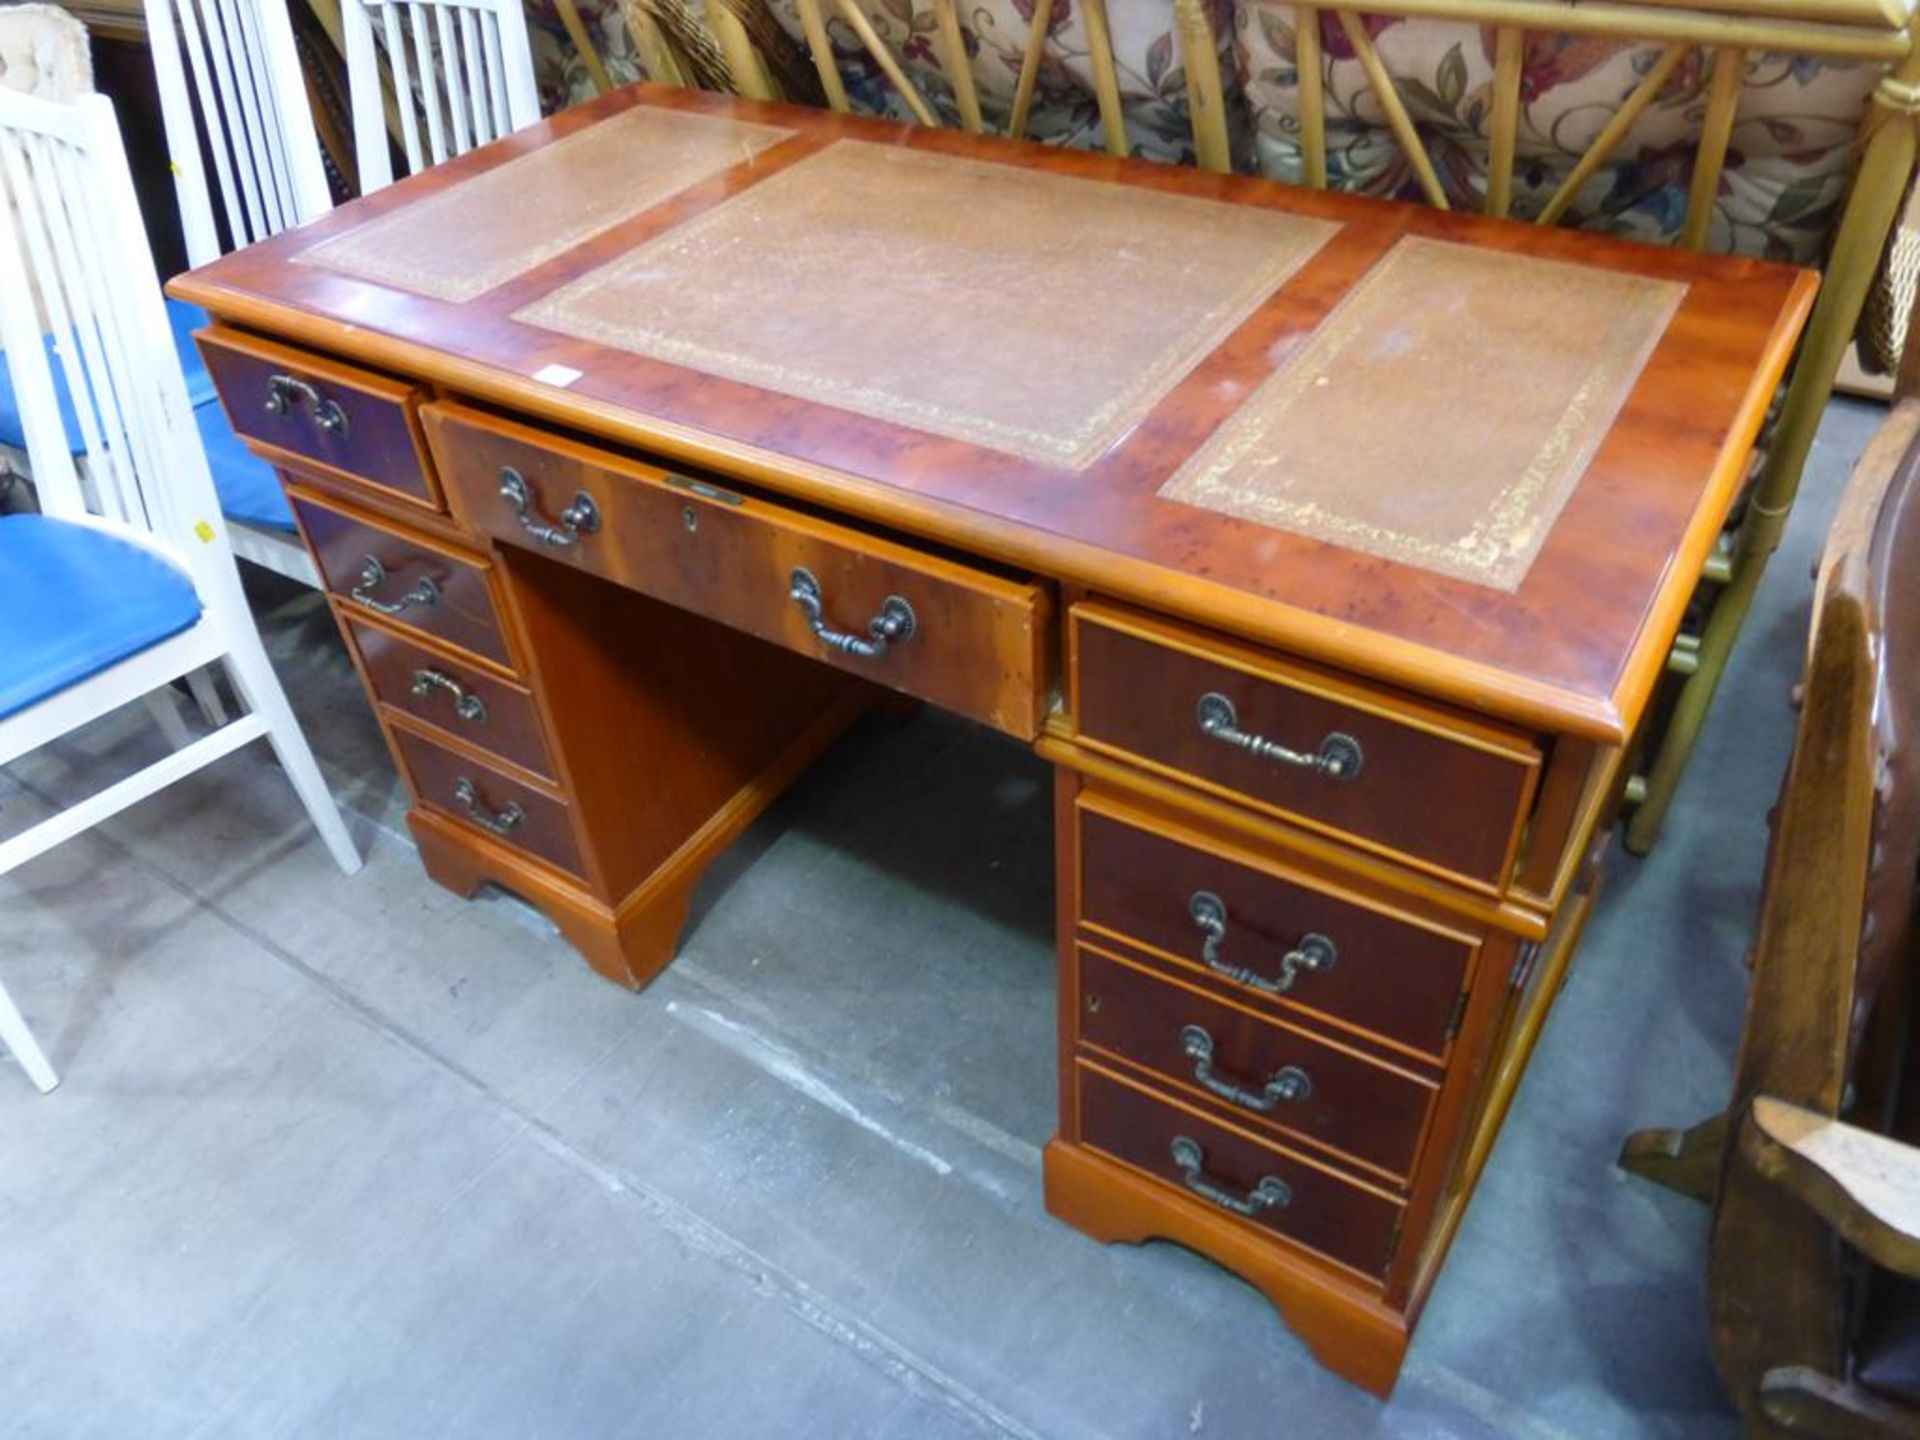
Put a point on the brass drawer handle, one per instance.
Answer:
(894, 625)
(1313, 953)
(1271, 1193)
(582, 517)
(1290, 1083)
(285, 391)
(500, 823)
(373, 574)
(1338, 757)
(467, 706)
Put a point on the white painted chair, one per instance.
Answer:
(231, 90)
(460, 70)
(124, 582)
(253, 117)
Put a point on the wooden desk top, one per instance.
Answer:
(1491, 476)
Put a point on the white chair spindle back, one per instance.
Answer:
(460, 72)
(248, 98)
(70, 223)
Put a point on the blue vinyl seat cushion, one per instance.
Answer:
(249, 491)
(246, 485)
(73, 600)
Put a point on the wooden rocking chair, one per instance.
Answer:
(1814, 1169)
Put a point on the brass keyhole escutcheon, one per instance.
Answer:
(689, 518)
(1093, 1004)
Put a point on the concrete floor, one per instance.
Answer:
(351, 1158)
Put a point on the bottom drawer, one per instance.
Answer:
(482, 798)
(1236, 1174)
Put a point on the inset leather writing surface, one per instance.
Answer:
(1036, 314)
(1482, 381)
(482, 232)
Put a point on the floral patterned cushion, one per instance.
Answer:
(1147, 53)
(1787, 166)
(558, 69)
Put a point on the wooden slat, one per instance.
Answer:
(402, 82)
(815, 27)
(959, 68)
(1723, 99)
(890, 67)
(1398, 120)
(1509, 48)
(1615, 131)
(1658, 21)
(1106, 76)
(1030, 67)
(449, 69)
(655, 55)
(742, 64)
(1206, 102)
(429, 88)
(589, 55)
(1310, 66)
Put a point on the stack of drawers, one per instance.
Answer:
(1280, 960)
(422, 610)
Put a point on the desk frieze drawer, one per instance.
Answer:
(370, 568)
(1255, 1068)
(482, 798)
(1446, 792)
(1226, 1170)
(960, 637)
(493, 714)
(1270, 939)
(349, 420)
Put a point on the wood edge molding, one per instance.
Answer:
(1647, 661)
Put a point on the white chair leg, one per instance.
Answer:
(207, 696)
(259, 688)
(15, 1035)
(166, 714)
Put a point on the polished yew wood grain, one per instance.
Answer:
(1440, 790)
(376, 437)
(1349, 1103)
(673, 731)
(1576, 646)
(522, 817)
(1342, 1218)
(980, 642)
(1396, 979)
(460, 610)
(437, 689)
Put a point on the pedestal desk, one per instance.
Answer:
(1328, 549)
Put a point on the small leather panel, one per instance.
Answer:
(1482, 381)
(1041, 315)
(504, 222)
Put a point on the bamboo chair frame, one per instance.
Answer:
(1865, 30)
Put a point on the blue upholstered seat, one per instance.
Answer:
(73, 600)
(246, 484)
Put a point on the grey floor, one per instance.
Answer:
(351, 1158)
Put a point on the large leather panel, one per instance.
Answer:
(1034, 313)
(1497, 374)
